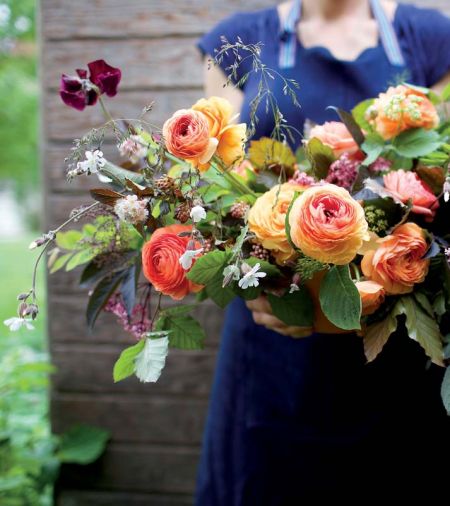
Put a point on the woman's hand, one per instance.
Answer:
(262, 314)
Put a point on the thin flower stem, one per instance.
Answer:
(157, 310)
(50, 241)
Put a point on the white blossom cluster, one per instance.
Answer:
(131, 209)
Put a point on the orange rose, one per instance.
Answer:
(160, 262)
(335, 135)
(187, 136)
(400, 109)
(406, 185)
(328, 224)
(267, 219)
(398, 263)
(230, 137)
(372, 296)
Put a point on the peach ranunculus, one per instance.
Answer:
(267, 220)
(230, 137)
(400, 109)
(327, 224)
(243, 169)
(372, 296)
(160, 262)
(187, 136)
(406, 185)
(335, 135)
(398, 264)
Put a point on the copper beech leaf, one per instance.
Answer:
(105, 196)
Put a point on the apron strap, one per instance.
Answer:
(288, 35)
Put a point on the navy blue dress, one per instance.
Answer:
(292, 419)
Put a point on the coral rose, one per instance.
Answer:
(187, 136)
(267, 220)
(400, 109)
(398, 263)
(160, 261)
(406, 185)
(372, 296)
(230, 137)
(335, 135)
(328, 224)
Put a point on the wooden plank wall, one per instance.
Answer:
(156, 429)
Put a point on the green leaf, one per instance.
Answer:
(377, 335)
(100, 296)
(185, 332)
(340, 299)
(445, 95)
(81, 257)
(270, 269)
(424, 303)
(423, 329)
(121, 175)
(222, 296)
(359, 113)
(320, 156)
(60, 262)
(182, 309)
(416, 142)
(82, 444)
(351, 124)
(250, 293)
(212, 192)
(269, 153)
(373, 147)
(287, 225)
(124, 366)
(92, 273)
(207, 266)
(293, 308)
(68, 240)
(240, 241)
(445, 390)
(439, 304)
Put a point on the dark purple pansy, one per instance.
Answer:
(80, 90)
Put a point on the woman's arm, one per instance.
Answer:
(216, 85)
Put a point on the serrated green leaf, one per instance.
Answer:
(339, 298)
(293, 308)
(250, 293)
(320, 156)
(60, 262)
(81, 257)
(373, 147)
(124, 366)
(82, 444)
(185, 333)
(222, 296)
(423, 329)
(377, 335)
(416, 142)
(445, 95)
(439, 304)
(424, 303)
(213, 192)
(445, 390)
(68, 240)
(359, 113)
(207, 266)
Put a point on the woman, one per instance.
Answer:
(293, 419)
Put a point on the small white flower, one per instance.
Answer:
(131, 209)
(294, 288)
(232, 271)
(134, 148)
(187, 258)
(198, 213)
(151, 360)
(446, 191)
(15, 323)
(251, 278)
(94, 161)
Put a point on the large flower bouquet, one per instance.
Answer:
(350, 229)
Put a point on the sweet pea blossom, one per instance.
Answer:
(80, 90)
(134, 148)
(15, 323)
(187, 258)
(251, 278)
(197, 214)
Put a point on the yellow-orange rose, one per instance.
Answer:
(398, 263)
(187, 136)
(328, 224)
(267, 219)
(230, 147)
(335, 135)
(400, 109)
(372, 296)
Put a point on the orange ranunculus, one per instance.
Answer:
(335, 135)
(400, 109)
(230, 137)
(160, 261)
(406, 185)
(267, 218)
(398, 263)
(328, 224)
(372, 296)
(187, 136)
